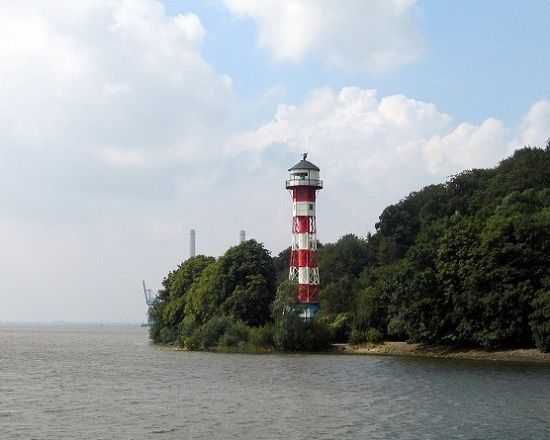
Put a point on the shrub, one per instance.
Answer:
(356, 336)
(167, 335)
(371, 335)
(374, 336)
(235, 336)
(206, 336)
(214, 329)
(540, 321)
(490, 340)
(340, 327)
(194, 341)
(261, 338)
(292, 334)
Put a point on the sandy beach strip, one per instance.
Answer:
(445, 351)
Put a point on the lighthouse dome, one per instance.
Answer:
(304, 173)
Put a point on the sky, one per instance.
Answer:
(124, 124)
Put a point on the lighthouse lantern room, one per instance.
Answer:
(303, 185)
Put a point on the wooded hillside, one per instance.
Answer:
(465, 262)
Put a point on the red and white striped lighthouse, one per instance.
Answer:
(303, 184)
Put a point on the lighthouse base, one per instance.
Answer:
(306, 311)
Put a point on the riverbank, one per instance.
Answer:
(394, 348)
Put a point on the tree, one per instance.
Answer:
(539, 321)
(182, 280)
(457, 260)
(250, 303)
(281, 262)
(240, 283)
(345, 258)
(167, 312)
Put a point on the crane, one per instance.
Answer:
(149, 295)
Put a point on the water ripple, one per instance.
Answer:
(110, 383)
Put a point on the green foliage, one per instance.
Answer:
(291, 333)
(340, 325)
(373, 298)
(461, 262)
(337, 296)
(183, 278)
(344, 259)
(371, 335)
(281, 263)
(285, 297)
(341, 264)
(206, 302)
(235, 336)
(356, 336)
(464, 262)
(261, 338)
(241, 283)
(212, 330)
(167, 312)
(374, 336)
(250, 302)
(540, 321)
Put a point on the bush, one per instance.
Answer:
(293, 334)
(396, 328)
(194, 341)
(374, 336)
(261, 338)
(490, 340)
(540, 321)
(207, 335)
(235, 336)
(356, 336)
(371, 335)
(186, 328)
(339, 326)
(167, 335)
(213, 329)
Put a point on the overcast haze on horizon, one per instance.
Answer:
(126, 123)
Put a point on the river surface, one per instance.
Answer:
(78, 382)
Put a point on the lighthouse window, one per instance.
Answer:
(310, 206)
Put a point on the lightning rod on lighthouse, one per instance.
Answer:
(304, 183)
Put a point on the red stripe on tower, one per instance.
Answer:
(303, 185)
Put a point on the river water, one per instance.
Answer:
(78, 382)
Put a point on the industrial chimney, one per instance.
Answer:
(191, 243)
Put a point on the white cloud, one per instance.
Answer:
(535, 127)
(467, 146)
(116, 81)
(123, 158)
(117, 137)
(375, 35)
(373, 151)
(108, 113)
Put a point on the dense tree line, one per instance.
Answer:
(464, 262)
(232, 303)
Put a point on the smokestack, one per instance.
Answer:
(191, 243)
(242, 236)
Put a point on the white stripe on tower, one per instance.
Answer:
(303, 241)
(303, 209)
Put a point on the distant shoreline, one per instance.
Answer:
(393, 348)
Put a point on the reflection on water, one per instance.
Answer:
(110, 383)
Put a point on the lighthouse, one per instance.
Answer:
(303, 184)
